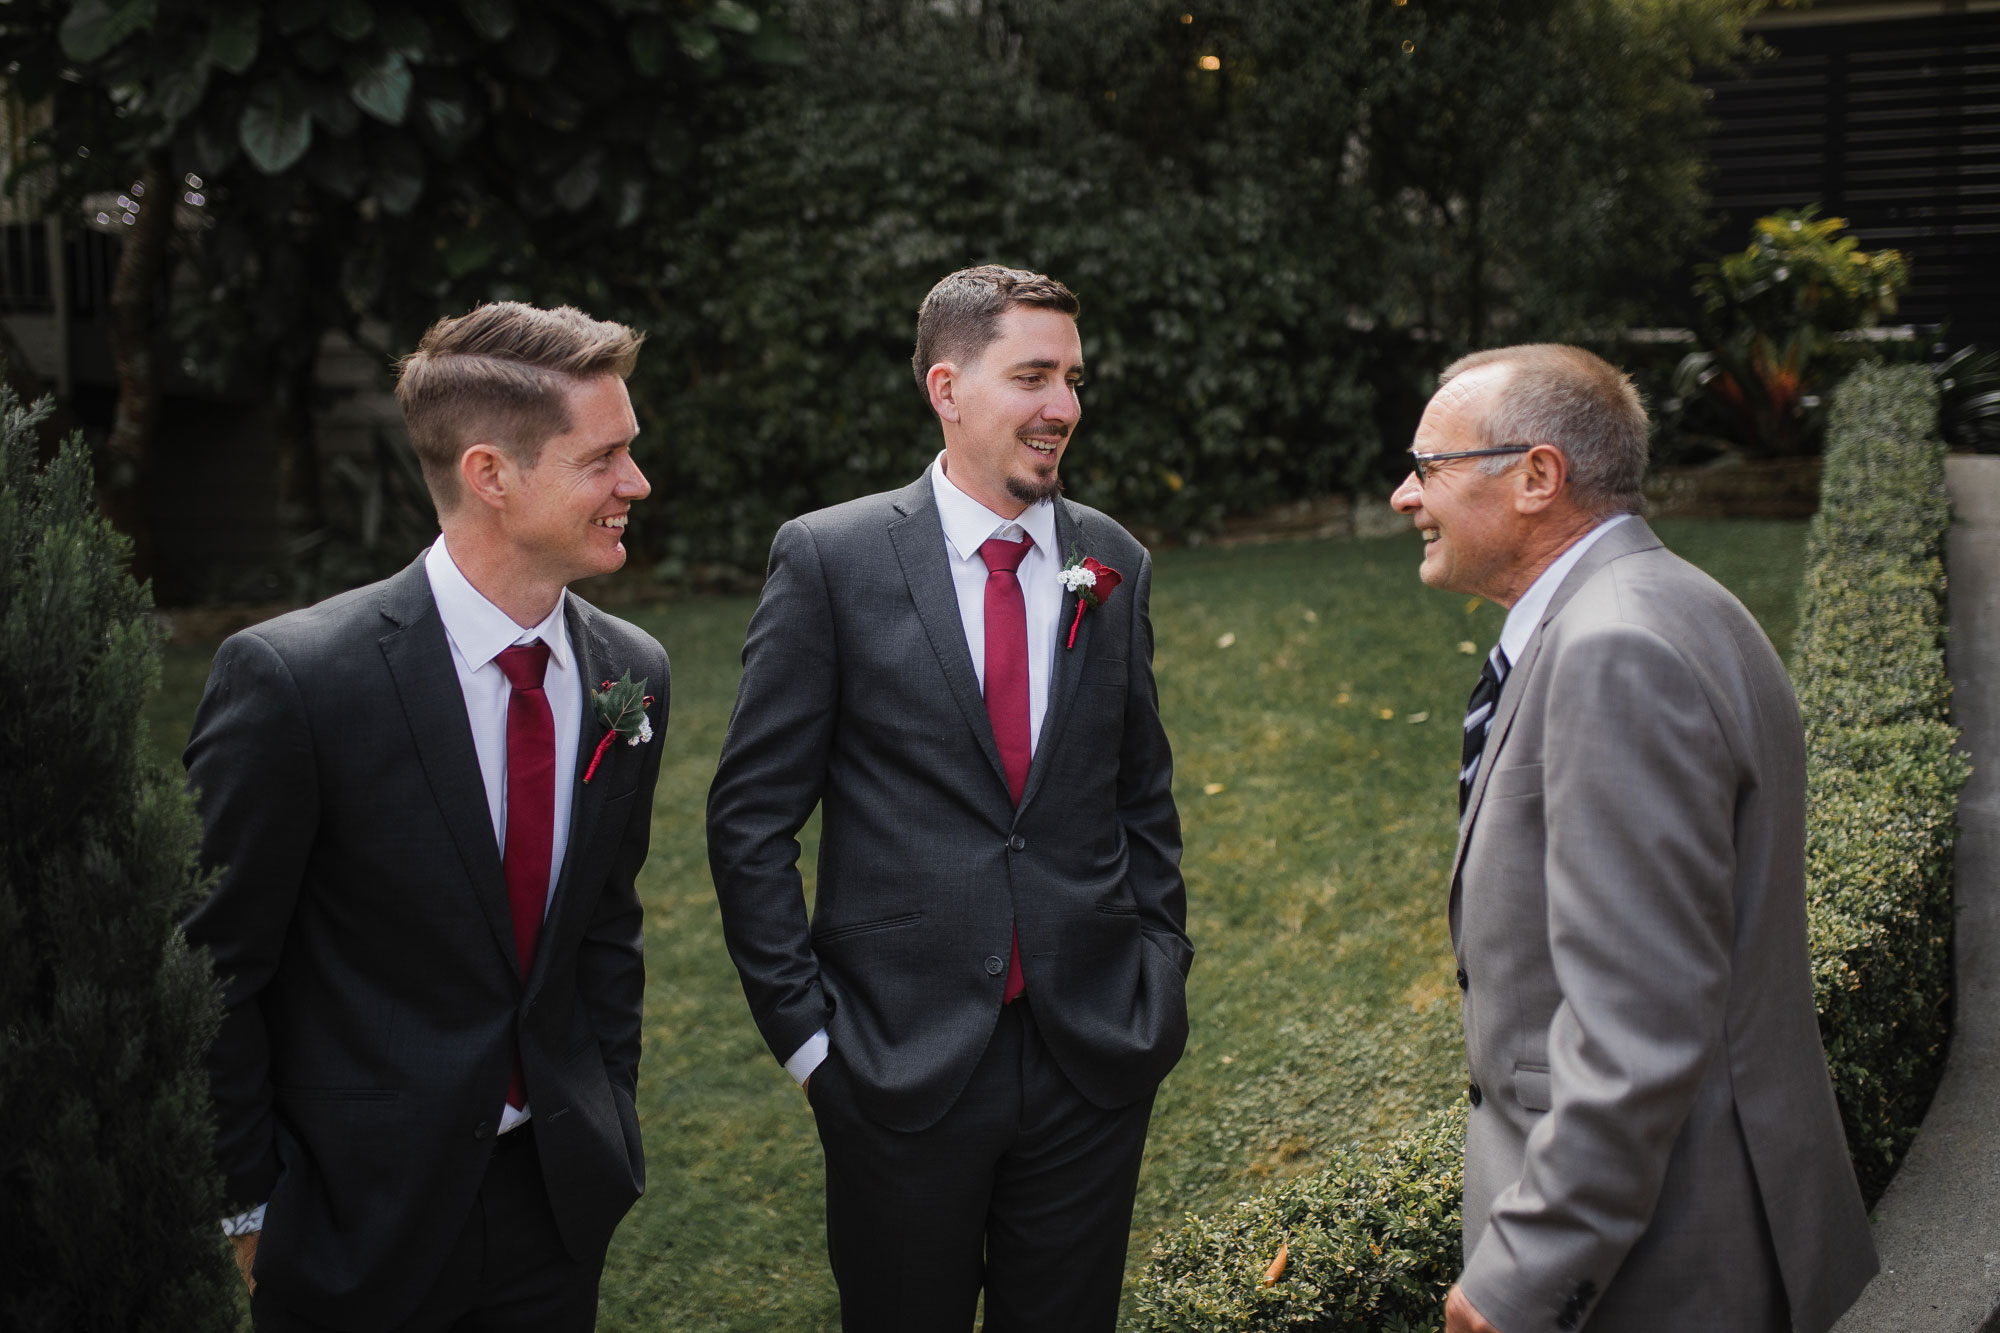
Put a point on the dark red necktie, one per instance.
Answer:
(531, 809)
(1007, 686)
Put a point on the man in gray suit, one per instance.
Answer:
(989, 989)
(426, 838)
(1653, 1142)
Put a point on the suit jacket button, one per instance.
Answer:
(483, 1130)
(1473, 1094)
(1461, 978)
(994, 967)
(1017, 843)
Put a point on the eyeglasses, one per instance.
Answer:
(1425, 462)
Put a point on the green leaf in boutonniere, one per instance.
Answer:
(620, 707)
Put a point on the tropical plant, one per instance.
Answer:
(1772, 315)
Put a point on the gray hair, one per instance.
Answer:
(1576, 402)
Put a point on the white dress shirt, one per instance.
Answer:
(1526, 614)
(478, 631)
(968, 525)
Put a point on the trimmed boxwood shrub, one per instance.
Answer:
(1372, 1238)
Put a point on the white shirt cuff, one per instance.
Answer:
(243, 1224)
(807, 1057)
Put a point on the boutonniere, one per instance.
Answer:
(1092, 583)
(621, 710)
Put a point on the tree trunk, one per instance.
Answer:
(133, 318)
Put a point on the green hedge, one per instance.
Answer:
(1883, 778)
(1373, 1237)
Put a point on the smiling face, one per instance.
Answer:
(1472, 533)
(564, 517)
(1009, 413)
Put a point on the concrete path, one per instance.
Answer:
(1938, 1226)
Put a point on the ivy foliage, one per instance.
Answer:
(1374, 1240)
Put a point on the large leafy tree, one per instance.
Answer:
(1281, 216)
(333, 161)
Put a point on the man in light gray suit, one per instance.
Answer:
(1653, 1142)
(990, 985)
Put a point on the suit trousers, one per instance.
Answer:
(508, 1271)
(1024, 1188)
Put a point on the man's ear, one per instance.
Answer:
(942, 384)
(487, 474)
(1540, 479)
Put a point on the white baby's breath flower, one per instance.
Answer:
(645, 732)
(1076, 578)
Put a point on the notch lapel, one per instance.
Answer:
(918, 537)
(419, 660)
(593, 664)
(1630, 536)
(1068, 667)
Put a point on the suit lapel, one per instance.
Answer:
(1630, 536)
(593, 665)
(420, 663)
(1068, 667)
(918, 537)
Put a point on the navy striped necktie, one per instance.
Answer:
(1479, 721)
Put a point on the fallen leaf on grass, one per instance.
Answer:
(1468, 647)
(1277, 1268)
(1226, 640)
(1386, 714)
(1213, 789)
(1312, 617)
(1341, 698)
(1420, 717)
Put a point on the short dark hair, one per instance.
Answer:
(502, 373)
(961, 316)
(1576, 401)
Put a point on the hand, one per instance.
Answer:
(1460, 1317)
(246, 1256)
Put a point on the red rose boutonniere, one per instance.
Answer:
(621, 710)
(1092, 583)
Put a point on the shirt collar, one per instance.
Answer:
(479, 629)
(1526, 614)
(968, 524)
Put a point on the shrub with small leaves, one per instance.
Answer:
(108, 1197)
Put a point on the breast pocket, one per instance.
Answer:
(1109, 672)
(1513, 782)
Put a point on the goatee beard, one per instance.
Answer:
(1034, 490)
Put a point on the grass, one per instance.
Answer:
(1318, 835)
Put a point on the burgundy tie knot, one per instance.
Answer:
(525, 664)
(1004, 557)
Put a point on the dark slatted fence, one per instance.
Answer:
(1894, 125)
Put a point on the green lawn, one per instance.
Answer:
(1318, 834)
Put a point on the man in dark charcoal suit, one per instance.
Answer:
(1653, 1145)
(990, 987)
(425, 920)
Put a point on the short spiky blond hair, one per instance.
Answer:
(502, 375)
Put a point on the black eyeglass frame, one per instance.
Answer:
(1422, 463)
